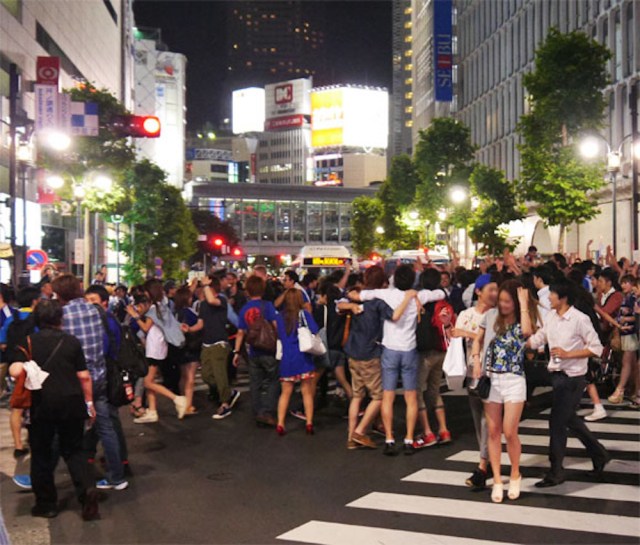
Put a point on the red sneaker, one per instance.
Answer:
(444, 437)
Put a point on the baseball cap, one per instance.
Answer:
(482, 281)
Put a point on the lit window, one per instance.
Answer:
(408, 110)
(249, 63)
(407, 11)
(408, 95)
(407, 24)
(273, 50)
(235, 46)
(408, 123)
(408, 39)
(408, 67)
(297, 29)
(408, 81)
(408, 52)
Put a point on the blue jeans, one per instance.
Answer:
(105, 414)
(264, 375)
(396, 363)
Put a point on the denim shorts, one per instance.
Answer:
(396, 363)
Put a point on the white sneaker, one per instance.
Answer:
(598, 414)
(147, 418)
(181, 406)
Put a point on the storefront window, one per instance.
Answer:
(283, 221)
(331, 233)
(345, 222)
(314, 216)
(233, 214)
(250, 215)
(268, 221)
(298, 217)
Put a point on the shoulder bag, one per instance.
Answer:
(308, 342)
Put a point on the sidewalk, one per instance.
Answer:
(22, 527)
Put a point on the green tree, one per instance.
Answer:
(365, 217)
(442, 160)
(162, 225)
(497, 205)
(566, 99)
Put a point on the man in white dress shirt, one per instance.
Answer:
(572, 341)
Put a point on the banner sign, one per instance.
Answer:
(47, 116)
(443, 50)
(48, 71)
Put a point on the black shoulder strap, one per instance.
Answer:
(105, 325)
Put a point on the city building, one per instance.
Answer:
(90, 40)
(493, 46)
(272, 222)
(400, 121)
(160, 90)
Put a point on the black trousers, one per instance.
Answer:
(567, 392)
(43, 459)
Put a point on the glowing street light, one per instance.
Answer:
(458, 195)
(55, 182)
(103, 183)
(380, 230)
(56, 140)
(590, 147)
(413, 215)
(442, 215)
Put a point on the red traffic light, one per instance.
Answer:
(237, 252)
(138, 126)
(218, 242)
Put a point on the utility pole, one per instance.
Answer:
(635, 162)
(14, 89)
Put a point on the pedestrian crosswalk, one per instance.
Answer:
(578, 510)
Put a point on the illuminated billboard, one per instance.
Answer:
(349, 116)
(248, 110)
(287, 104)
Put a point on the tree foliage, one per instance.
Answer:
(497, 205)
(566, 99)
(161, 224)
(442, 160)
(365, 215)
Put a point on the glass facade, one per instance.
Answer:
(267, 221)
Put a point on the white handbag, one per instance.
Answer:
(308, 342)
(454, 365)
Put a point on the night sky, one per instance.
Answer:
(358, 46)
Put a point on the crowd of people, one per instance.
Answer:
(379, 332)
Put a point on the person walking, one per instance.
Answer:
(504, 363)
(59, 409)
(192, 348)
(156, 350)
(295, 366)
(572, 340)
(468, 326)
(263, 365)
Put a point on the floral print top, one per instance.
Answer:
(506, 352)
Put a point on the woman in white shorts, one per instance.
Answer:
(504, 364)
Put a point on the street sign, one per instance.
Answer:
(48, 71)
(36, 260)
(47, 111)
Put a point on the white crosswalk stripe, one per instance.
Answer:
(542, 460)
(601, 427)
(327, 533)
(596, 491)
(472, 510)
(607, 512)
(627, 415)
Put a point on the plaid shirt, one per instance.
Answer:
(82, 320)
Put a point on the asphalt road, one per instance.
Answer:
(205, 481)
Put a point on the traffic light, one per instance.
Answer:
(237, 252)
(218, 243)
(138, 126)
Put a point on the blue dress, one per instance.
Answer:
(295, 365)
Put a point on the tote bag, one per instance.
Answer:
(309, 343)
(455, 364)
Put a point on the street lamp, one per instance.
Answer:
(56, 140)
(458, 195)
(590, 148)
(380, 230)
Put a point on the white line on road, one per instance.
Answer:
(542, 460)
(597, 491)
(600, 427)
(529, 516)
(631, 415)
(329, 533)
(611, 445)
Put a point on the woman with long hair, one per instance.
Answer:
(295, 366)
(192, 348)
(503, 334)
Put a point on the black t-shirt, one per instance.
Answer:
(61, 396)
(215, 319)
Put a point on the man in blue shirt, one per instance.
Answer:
(263, 366)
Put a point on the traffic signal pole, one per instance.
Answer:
(635, 163)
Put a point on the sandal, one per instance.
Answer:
(191, 411)
(137, 412)
(514, 488)
(497, 493)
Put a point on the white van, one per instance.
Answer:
(322, 260)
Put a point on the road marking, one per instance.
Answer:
(572, 442)
(603, 427)
(631, 415)
(528, 516)
(329, 533)
(542, 460)
(596, 491)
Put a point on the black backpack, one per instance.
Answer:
(129, 364)
(17, 332)
(426, 334)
